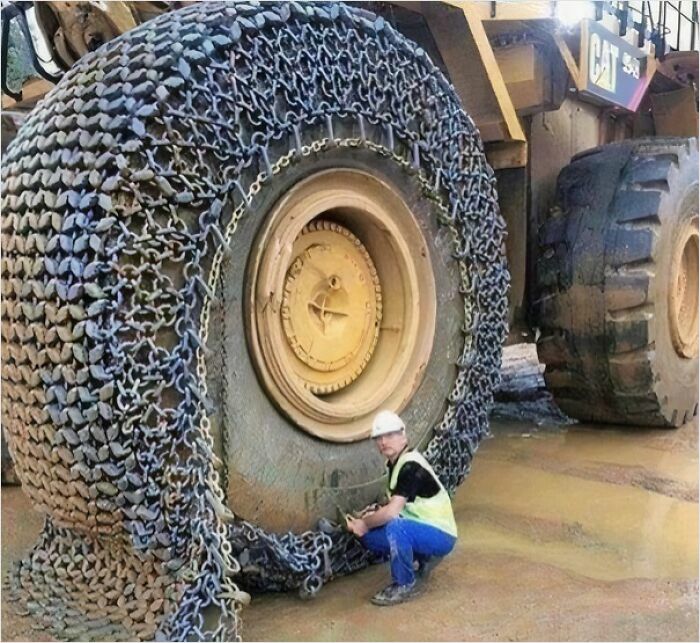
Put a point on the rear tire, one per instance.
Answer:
(616, 299)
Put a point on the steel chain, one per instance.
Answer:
(121, 195)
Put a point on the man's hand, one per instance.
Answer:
(356, 526)
(368, 510)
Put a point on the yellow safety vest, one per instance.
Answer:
(435, 511)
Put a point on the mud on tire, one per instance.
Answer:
(120, 193)
(616, 299)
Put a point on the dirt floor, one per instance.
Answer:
(567, 532)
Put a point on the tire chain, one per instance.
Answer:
(108, 282)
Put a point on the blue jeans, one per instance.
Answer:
(401, 538)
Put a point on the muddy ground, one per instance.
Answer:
(567, 532)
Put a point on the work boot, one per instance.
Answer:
(394, 594)
(426, 566)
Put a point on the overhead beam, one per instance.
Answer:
(466, 51)
(507, 10)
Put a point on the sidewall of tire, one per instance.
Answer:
(676, 376)
(278, 475)
(603, 282)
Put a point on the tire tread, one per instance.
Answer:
(573, 361)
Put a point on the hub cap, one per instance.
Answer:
(331, 307)
(341, 303)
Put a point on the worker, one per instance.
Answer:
(416, 528)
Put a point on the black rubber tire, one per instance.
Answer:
(321, 475)
(602, 283)
(115, 194)
(406, 121)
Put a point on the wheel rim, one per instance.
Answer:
(341, 303)
(683, 293)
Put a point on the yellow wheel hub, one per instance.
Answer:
(683, 292)
(341, 303)
(331, 307)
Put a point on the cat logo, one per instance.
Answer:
(602, 63)
(612, 69)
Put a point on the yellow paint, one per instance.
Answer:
(515, 130)
(538, 10)
(568, 58)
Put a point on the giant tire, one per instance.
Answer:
(616, 347)
(121, 368)
(322, 475)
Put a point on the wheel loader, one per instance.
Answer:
(233, 232)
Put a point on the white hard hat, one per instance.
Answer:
(386, 422)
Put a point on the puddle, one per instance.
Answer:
(609, 505)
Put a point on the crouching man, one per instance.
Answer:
(417, 524)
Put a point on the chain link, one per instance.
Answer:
(121, 196)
